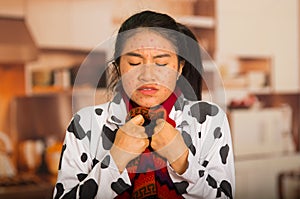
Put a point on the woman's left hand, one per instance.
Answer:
(168, 142)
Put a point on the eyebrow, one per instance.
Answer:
(139, 55)
(162, 55)
(134, 54)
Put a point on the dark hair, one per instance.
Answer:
(193, 69)
(169, 29)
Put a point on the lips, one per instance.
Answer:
(148, 89)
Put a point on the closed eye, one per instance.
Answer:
(134, 64)
(161, 65)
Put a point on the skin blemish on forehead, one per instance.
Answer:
(148, 55)
(148, 39)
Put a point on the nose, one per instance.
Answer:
(147, 73)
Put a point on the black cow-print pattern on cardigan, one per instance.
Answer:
(76, 128)
(224, 153)
(61, 156)
(105, 162)
(224, 187)
(72, 193)
(201, 110)
(181, 187)
(115, 119)
(95, 161)
(98, 111)
(59, 190)
(217, 133)
(188, 142)
(117, 99)
(81, 176)
(108, 137)
(119, 186)
(88, 190)
(84, 157)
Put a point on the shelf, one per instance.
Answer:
(57, 69)
(197, 21)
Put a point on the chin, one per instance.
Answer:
(147, 103)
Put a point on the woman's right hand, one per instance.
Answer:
(131, 140)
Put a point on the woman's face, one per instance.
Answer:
(149, 68)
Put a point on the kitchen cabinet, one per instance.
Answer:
(259, 132)
(202, 22)
(12, 84)
(36, 191)
(85, 24)
(69, 24)
(12, 8)
(259, 177)
(262, 28)
(52, 71)
(206, 34)
(58, 70)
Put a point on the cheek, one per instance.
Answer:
(166, 90)
(124, 69)
(167, 77)
(128, 83)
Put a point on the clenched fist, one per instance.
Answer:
(131, 140)
(168, 142)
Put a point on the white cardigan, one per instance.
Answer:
(87, 170)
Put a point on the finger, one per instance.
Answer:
(134, 130)
(138, 120)
(160, 120)
(160, 123)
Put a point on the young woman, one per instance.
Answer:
(154, 139)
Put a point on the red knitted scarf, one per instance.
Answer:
(148, 173)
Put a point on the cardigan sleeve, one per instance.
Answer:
(82, 174)
(210, 173)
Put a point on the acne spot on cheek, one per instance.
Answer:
(159, 70)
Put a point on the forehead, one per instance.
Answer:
(148, 40)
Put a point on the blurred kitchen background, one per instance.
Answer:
(255, 48)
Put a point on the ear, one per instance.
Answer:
(180, 66)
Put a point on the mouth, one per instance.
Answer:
(148, 89)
